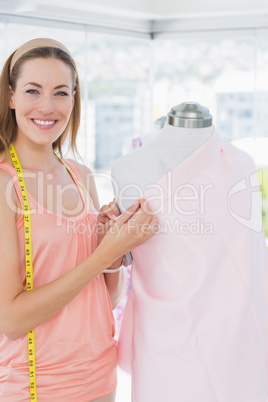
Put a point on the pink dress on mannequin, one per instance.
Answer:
(194, 326)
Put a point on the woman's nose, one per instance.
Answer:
(46, 105)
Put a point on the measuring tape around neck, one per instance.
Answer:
(29, 266)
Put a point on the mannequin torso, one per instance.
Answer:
(134, 173)
(191, 329)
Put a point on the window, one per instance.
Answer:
(225, 76)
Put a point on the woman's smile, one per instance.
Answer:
(43, 100)
(44, 124)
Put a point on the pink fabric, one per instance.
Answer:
(76, 353)
(194, 324)
(119, 311)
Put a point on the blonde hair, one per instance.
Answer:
(9, 77)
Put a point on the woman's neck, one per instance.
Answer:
(35, 157)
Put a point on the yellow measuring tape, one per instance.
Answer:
(29, 266)
(78, 181)
(29, 257)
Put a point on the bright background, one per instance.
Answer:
(137, 59)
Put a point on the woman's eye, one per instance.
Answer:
(32, 91)
(62, 93)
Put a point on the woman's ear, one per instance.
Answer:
(11, 98)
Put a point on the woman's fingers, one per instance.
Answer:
(140, 222)
(128, 214)
(143, 225)
(139, 212)
(110, 211)
(144, 214)
(130, 230)
(146, 221)
(114, 208)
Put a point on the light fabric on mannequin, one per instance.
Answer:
(194, 327)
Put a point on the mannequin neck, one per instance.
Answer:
(170, 130)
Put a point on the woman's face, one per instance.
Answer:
(43, 100)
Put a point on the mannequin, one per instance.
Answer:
(187, 127)
(194, 327)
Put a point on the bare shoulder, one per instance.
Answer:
(5, 179)
(9, 203)
(8, 200)
(87, 177)
(83, 170)
(4, 174)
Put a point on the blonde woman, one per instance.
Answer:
(76, 271)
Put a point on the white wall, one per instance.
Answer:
(153, 9)
(162, 8)
(144, 18)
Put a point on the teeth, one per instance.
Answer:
(44, 122)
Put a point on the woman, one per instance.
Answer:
(70, 305)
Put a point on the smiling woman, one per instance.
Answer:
(56, 283)
(42, 103)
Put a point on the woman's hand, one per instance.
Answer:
(131, 229)
(106, 218)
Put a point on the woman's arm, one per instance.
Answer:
(115, 281)
(20, 310)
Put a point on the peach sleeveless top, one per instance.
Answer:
(76, 353)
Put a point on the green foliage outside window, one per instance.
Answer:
(263, 180)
